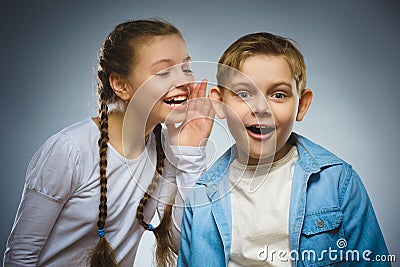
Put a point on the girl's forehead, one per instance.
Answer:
(163, 48)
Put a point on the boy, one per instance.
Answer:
(275, 198)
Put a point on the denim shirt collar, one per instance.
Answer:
(312, 158)
(220, 168)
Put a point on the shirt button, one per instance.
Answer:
(320, 223)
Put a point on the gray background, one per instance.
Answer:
(48, 61)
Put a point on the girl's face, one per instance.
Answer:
(161, 80)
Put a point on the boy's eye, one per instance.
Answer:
(243, 95)
(279, 95)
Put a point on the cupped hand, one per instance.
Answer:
(196, 128)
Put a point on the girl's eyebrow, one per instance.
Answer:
(160, 61)
(188, 58)
(169, 61)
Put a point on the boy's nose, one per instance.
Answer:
(260, 107)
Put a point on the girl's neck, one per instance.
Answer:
(130, 147)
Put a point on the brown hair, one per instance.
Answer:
(264, 43)
(118, 55)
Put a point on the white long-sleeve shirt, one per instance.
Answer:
(56, 220)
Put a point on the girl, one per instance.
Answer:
(56, 220)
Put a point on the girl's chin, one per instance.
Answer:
(176, 118)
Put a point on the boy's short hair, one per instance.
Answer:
(264, 43)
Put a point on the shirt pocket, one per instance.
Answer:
(322, 237)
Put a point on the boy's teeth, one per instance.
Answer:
(259, 129)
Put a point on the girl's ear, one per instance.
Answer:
(217, 101)
(304, 103)
(119, 86)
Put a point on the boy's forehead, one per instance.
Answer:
(239, 79)
(229, 77)
(273, 64)
(271, 69)
(257, 70)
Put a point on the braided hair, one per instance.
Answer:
(118, 55)
(164, 250)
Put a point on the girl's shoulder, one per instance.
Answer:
(56, 166)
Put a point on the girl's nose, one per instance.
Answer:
(181, 77)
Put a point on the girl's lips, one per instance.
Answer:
(177, 102)
(260, 132)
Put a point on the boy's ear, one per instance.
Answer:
(304, 103)
(119, 86)
(217, 101)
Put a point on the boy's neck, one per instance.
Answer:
(245, 159)
(283, 151)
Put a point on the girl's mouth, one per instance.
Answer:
(176, 101)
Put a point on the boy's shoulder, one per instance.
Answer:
(219, 168)
(313, 156)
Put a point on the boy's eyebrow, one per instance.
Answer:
(242, 83)
(280, 82)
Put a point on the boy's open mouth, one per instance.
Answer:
(260, 129)
(176, 101)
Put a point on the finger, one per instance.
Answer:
(198, 99)
(195, 92)
(203, 88)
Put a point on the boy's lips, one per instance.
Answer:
(259, 131)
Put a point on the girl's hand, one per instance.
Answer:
(196, 128)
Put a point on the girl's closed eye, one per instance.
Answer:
(187, 69)
(163, 73)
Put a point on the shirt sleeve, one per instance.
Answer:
(183, 166)
(50, 181)
(361, 226)
(186, 229)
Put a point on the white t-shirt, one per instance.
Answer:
(56, 221)
(260, 212)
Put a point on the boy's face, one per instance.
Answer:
(261, 112)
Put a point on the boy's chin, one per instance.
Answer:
(262, 152)
(261, 158)
(258, 157)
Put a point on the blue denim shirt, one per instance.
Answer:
(331, 219)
